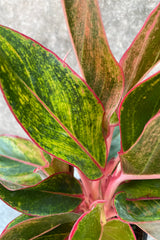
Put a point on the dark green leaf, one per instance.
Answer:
(143, 156)
(137, 210)
(138, 107)
(33, 228)
(57, 108)
(56, 194)
(141, 189)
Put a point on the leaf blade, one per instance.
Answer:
(50, 97)
(144, 52)
(98, 65)
(143, 156)
(139, 105)
(36, 226)
(116, 229)
(137, 210)
(56, 194)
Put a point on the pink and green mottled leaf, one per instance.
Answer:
(144, 52)
(97, 63)
(137, 108)
(56, 194)
(42, 227)
(55, 107)
(137, 210)
(152, 228)
(117, 230)
(143, 157)
(88, 226)
(19, 160)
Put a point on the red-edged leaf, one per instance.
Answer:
(138, 200)
(56, 108)
(20, 159)
(56, 194)
(97, 63)
(137, 108)
(144, 52)
(143, 157)
(48, 227)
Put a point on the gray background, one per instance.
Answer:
(44, 22)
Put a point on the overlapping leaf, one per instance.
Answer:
(143, 157)
(91, 226)
(138, 107)
(137, 210)
(98, 65)
(19, 158)
(144, 52)
(116, 229)
(56, 194)
(54, 106)
(88, 226)
(139, 200)
(57, 227)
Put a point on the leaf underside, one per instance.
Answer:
(54, 106)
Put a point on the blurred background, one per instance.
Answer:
(44, 21)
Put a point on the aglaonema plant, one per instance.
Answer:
(105, 124)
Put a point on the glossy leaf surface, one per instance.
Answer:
(132, 210)
(19, 158)
(143, 156)
(35, 227)
(56, 194)
(98, 65)
(144, 52)
(55, 107)
(138, 107)
(141, 189)
(117, 230)
(88, 226)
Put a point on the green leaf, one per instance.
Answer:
(88, 226)
(116, 229)
(55, 107)
(115, 144)
(35, 227)
(59, 233)
(144, 52)
(18, 220)
(56, 194)
(19, 159)
(141, 189)
(152, 228)
(132, 210)
(143, 156)
(137, 108)
(98, 65)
